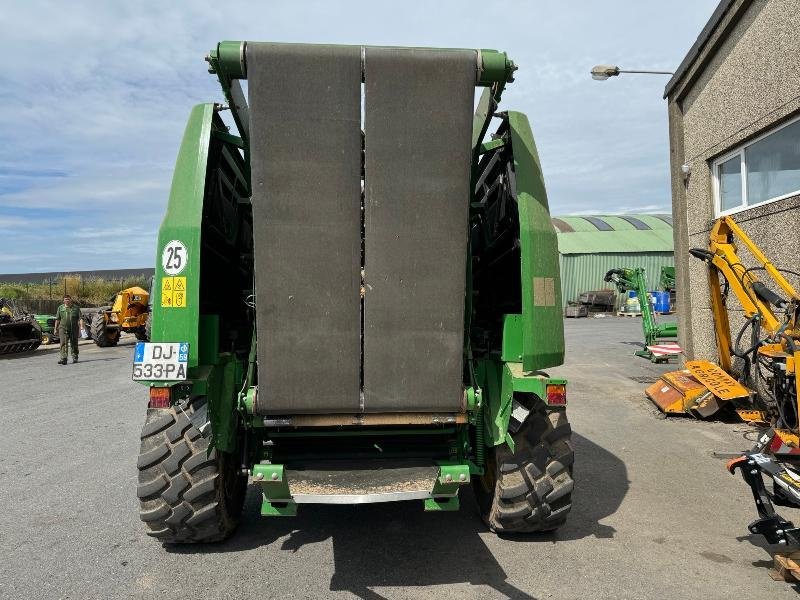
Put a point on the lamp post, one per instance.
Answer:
(603, 72)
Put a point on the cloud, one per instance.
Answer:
(97, 96)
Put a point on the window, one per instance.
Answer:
(764, 170)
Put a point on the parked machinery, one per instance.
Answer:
(666, 280)
(129, 312)
(634, 280)
(762, 389)
(768, 347)
(47, 325)
(19, 331)
(375, 332)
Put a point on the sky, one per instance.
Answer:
(95, 97)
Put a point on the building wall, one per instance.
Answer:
(744, 82)
(584, 272)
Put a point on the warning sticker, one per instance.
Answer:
(173, 292)
(179, 299)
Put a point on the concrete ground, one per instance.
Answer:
(655, 514)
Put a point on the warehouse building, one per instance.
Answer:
(588, 246)
(734, 120)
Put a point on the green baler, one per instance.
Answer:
(357, 294)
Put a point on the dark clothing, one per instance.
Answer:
(68, 324)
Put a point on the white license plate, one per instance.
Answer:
(160, 361)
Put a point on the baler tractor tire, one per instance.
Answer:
(142, 334)
(186, 493)
(46, 339)
(102, 335)
(148, 327)
(529, 490)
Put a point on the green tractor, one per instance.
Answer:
(356, 297)
(47, 325)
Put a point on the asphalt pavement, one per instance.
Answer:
(655, 513)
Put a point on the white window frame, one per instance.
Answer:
(739, 151)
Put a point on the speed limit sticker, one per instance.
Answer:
(174, 257)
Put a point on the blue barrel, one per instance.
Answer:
(661, 301)
(631, 293)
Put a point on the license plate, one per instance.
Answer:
(160, 361)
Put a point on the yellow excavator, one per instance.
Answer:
(767, 388)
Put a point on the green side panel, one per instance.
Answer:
(183, 222)
(497, 385)
(222, 402)
(543, 325)
(512, 338)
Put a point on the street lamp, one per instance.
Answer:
(603, 72)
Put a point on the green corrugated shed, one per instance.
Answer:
(590, 245)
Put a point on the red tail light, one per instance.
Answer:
(557, 395)
(159, 397)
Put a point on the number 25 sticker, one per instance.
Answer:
(174, 257)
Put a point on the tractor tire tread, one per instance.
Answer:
(186, 493)
(100, 332)
(162, 420)
(534, 484)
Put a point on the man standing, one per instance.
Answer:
(68, 317)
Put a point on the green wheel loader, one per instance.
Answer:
(356, 296)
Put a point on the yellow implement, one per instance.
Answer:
(129, 312)
(677, 392)
(699, 390)
(704, 387)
